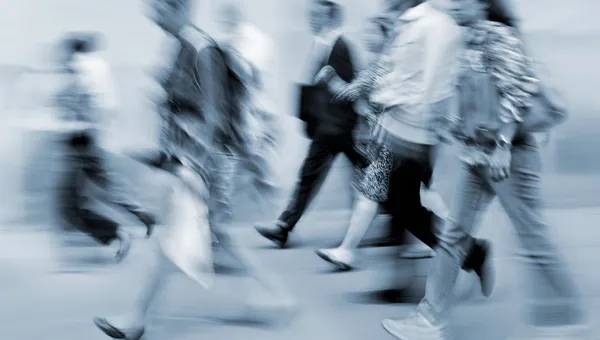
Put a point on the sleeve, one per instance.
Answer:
(342, 61)
(512, 72)
(370, 78)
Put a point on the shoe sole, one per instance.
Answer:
(277, 242)
(412, 336)
(325, 256)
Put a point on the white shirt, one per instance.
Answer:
(424, 59)
(257, 49)
(95, 76)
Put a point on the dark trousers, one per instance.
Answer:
(83, 162)
(323, 149)
(413, 165)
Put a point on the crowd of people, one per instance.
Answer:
(426, 55)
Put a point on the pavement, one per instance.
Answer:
(39, 302)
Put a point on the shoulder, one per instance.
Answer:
(442, 24)
(197, 38)
(501, 34)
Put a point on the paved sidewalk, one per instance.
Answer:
(37, 303)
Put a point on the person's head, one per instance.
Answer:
(376, 33)
(230, 17)
(323, 15)
(467, 12)
(171, 15)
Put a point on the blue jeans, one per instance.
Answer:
(553, 298)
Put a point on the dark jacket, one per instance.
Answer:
(322, 116)
(205, 95)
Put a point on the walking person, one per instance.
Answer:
(501, 158)
(203, 141)
(332, 129)
(373, 188)
(415, 97)
(90, 99)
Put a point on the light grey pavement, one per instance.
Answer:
(39, 303)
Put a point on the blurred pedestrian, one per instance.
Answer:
(203, 141)
(496, 91)
(330, 124)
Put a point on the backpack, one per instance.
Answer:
(548, 107)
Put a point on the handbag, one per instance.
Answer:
(548, 106)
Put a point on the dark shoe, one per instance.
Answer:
(115, 333)
(148, 220)
(480, 261)
(276, 233)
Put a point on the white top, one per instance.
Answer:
(257, 49)
(95, 76)
(424, 60)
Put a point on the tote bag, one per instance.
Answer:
(548, 107)
(187, 239)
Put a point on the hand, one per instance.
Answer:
(499, 164)
(324, 75)
(473, 156)
(349, 93)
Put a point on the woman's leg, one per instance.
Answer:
(472, 199)
(363, 214)
(553, 296)
(365, 210)
(131, 325)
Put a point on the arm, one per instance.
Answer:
(511, 70)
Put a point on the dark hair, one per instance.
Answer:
(500, 11)
(334, 8)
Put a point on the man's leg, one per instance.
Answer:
(472, 199)
(314, 169)
(102, 169)
(553, 298)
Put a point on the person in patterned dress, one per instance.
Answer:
(372, 186)
(204, 141)
(496, 85)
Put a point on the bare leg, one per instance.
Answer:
(363, 214)
(150, 291)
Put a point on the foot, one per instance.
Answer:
(417, 251)
(480, 261)
(148, 220)
(119, 332)
(277, 233)
(124, 240)
(339, 257)
(415, 327)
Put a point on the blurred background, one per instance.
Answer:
(565, 35)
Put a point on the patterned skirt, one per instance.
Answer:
(374, 180)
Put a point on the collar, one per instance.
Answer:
(416, 12)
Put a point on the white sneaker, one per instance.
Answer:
(339, 257)
(415, 327)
